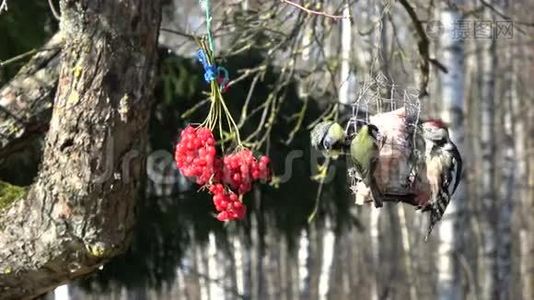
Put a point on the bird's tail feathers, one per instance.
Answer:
(437, 210)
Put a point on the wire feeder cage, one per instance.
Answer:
(395, 111)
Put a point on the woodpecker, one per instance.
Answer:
(364, 153)
(328, 137)
(443, 169)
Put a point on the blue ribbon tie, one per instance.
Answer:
(212, 72)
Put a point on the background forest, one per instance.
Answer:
(472, 62)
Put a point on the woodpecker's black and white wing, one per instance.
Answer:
(455, 169)
(451, 170)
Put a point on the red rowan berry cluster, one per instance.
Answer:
(195, 154)
(228, 178)
(227, 203)
(241, 169)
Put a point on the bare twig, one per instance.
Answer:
(17, 57)
(314, 12)
(3, 6)
(495, 10)
(298, 124)
(401, 53)
(247, 73)
(23, 56)
(505, 17)
(183, 34)
(312, 215)
(422, 47)
(244, 110)
(54, 11)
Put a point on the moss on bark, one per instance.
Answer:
(10, 193)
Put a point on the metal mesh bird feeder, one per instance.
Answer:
(395, 112)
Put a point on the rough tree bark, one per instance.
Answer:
(79, 211)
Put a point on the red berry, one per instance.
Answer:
(195, 154)
(223, 216)
(265, 160)
(241, 168)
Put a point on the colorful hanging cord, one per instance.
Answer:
(205, 5)
(211, 71)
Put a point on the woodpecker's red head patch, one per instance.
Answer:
(436, 123)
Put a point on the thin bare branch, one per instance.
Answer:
(3, 6)
(56, 14)
(423, 46)
(314, 12)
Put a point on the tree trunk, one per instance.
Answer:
(329, 238)
(314, 254)
(237, 247)
(508, 192)
(247, 263)
(487, 146)
(524, 127)
(452, 113)
(79, 212)
(303, 255)
(214, 270)
(346, 49)
(407, 248)
(507, 198)
(375, 252)
(258, 246)
(329, 242)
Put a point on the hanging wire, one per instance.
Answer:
(205, 5)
